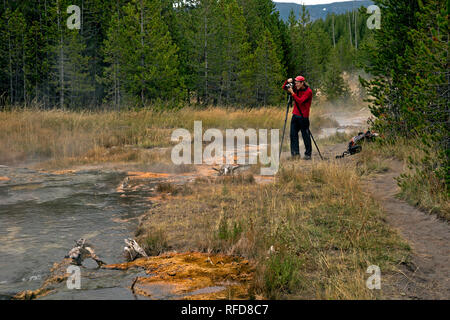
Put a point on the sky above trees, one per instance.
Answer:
(311, 2)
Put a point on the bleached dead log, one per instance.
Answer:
(83, 251)
(227, 170)
(133, 251)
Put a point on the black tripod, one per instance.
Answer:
(289, 105)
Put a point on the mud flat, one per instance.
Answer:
(191, 275)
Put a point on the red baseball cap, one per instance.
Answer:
(300, 78)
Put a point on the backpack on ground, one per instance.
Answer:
(354, 146)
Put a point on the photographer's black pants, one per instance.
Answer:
(300, 124)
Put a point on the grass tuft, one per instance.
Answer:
(155, 242)
(419, 184)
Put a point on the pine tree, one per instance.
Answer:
(262, 15)
(235, 49)
(114, 76)
(80, 89)
(180, 15)
(398, 19)
(15, 29)
(35, 64)
(292, 19)
(203, 51)
(59, 54)
(5, 97)
(70, 66)
(310, 48)
(141, 46)
(96, 16)
(334, 86)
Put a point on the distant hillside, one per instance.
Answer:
(320, 10)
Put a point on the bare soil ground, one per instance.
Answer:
(427, 275)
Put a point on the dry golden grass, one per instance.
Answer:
(337, 138)
(68, 138)
(325, 231)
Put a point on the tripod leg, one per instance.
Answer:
(285, 123)
(315, 144)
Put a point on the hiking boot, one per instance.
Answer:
(294, 157)
(307, 158)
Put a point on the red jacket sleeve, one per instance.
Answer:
(303, 98)
(284, 85)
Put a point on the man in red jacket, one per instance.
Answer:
(302, 95)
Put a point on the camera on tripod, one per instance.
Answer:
(289, 86)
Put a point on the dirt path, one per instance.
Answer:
(427, 276)
(428, 273)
